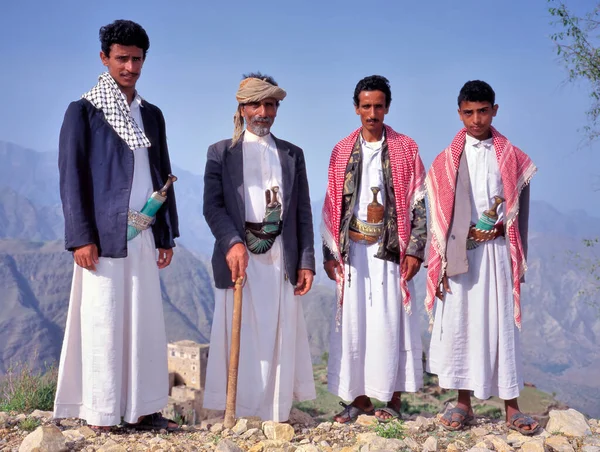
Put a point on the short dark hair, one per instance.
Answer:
(476, 91)
(263, 77)
(374, 83)
(125, 33)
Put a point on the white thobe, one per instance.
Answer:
(275, 366)
(377, 349)
(475, 343)
(113, 362)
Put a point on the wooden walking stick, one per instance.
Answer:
(234, 355)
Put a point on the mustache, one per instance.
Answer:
(372, 120)
(261, 120)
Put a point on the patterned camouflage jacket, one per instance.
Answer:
(389, 248)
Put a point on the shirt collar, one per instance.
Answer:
(137, 101)
(374, 145)
(479, 144)
(250, 137)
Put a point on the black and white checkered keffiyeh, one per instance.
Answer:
(107, 97)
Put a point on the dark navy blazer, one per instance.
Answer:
(96, 173)
(224, 208)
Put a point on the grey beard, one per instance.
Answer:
(259, 129)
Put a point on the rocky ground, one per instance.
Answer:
(565, 430)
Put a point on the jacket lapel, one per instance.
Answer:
(288, 169)
(235, 169)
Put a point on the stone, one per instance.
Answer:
(568, 422)
(112, 446)
(366, 420)
(479, 449)
(516, 439)
(299, 417)
(479, 431)
(4, 419)
(73, 435)
(250, 433)
(590, 449)
(430, 444)
(485, 444)
(411, 443)
(272, 446)
(307, 448)
(38, 414)
(363, 438)
(208, 423)
(324, 444)
(277, 431)
(591, 441)
(226, 445)
(87, 432)
(216, 428)
(382, 444)
(425, 424)
(47, 438)
(326, 426)
(240, 426)
(499, 444)
(456, 446)
(559, 444)
(69, 423)
(533, 446)
(253, 422)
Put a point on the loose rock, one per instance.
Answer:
(568, 422)
(45, 438)
(277, 431)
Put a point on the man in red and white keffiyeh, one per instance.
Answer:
(477, 273)
(375, 347)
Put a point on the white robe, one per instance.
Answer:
(275, 366)
(113, 362)
(475, 343)
(377, 349)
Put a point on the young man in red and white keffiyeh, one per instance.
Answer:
(373, 250)
(477, 273)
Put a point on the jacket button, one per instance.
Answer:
(452, 236)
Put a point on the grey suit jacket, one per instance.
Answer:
(456, 248)
(224, 208)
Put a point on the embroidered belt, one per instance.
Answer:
(261, 236)
(363, 232)
(139, 220)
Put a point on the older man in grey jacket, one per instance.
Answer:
(257, 204)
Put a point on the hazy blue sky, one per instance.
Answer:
(317, 51)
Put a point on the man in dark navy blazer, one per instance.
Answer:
(112, 156)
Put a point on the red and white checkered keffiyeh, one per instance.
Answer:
(408, 175)
(516, 170)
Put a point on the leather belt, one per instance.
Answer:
(363, 232)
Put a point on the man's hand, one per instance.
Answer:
(305, 280)
(164, 257)
(86, 256)
(445, 287)
(237, 261)
(410, 267)
(334, 270)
